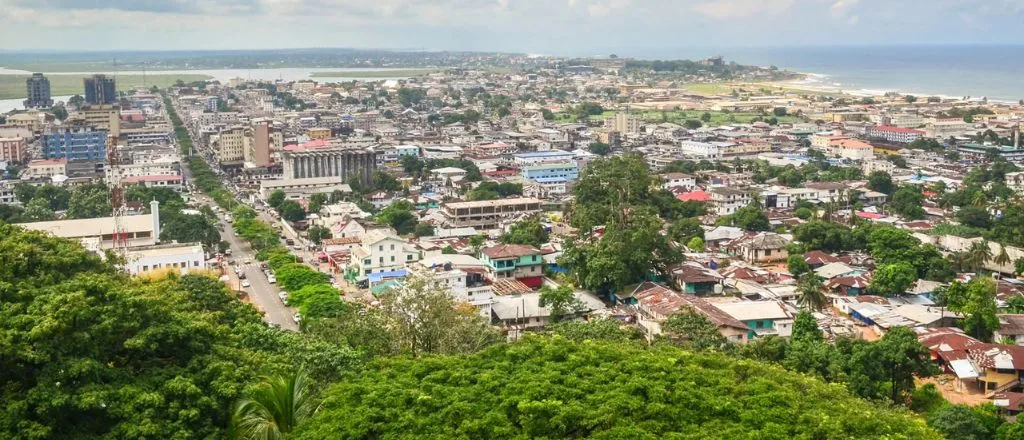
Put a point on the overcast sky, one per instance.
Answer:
(585, 27)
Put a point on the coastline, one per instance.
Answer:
(822, 83)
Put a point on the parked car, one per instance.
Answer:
(290, 242)
(284, 297)
(245, 283)
(297, 318)
(271, 279)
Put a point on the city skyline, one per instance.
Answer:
(570, 26)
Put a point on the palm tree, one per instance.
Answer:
(960, 261)
(276, 407)
(979, 199)
(978, 254)
(811, 297)
(1003, 258)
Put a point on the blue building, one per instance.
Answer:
(551, 172)
(80, 143)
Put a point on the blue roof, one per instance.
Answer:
(549, 153)
(380, 276)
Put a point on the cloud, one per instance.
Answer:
(731, 9)
(154, 6)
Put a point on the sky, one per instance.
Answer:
(579, 27)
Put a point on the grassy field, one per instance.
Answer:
(13, 86)
(392, 73)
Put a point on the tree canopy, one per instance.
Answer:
(551, 387)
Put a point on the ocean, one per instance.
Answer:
(977, 71)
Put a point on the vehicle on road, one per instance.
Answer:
(248, 261)
(245, 284)
(227, 252)
(271, 279)
(284, 297)
(297, 318)
(240, 273)
(290, 242)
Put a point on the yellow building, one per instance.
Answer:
(319, 133)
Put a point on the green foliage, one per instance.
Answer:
(410, 97)
(274, 408)
(693, 330)
(600, 148)
(963, 422)
(976, 300)
(317, 234)
(90, 353)
(316, 202)
(423, 230)
(907, 202)
(926, 399)
(556, 388)
(398, 215)
(805, 328)
(596, 329)
(89, 201)
(750, 218)
(828, 236)
(383, 181)
(881, 181)
(561, 300)
(296, 276)
(683, 229)
(803, 213)
(811, 295)
(893, 279)
(797, 265)
(276, 198)
(696, 244)
(975, 217)
(492, 190)
(529, 231)
(291, 211)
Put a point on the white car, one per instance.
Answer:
(297, 318)
(284, 297)
(245, 283)
(271, 279)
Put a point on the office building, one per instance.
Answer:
(257, 144)
(100, 90)
(320, 159)
(75, 143)
(38, 92)
(229, 145)
(897, 135)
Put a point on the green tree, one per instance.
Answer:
(59, 112)
(812, 297)
(893, 279)
(276, 198)
(683, 229)
(423, 230)
(38, 210)
(561, 300)
(600, 148)
(89, 201)
(901, 357)
(978, 254)
(880, 181)
(1018, 266)
(398, 215)
(690, 329)
(797, 266)
(529, 231)
(751, 218)
(974, 217)
(292, 211)
(276, 406)
(696, 244)
(963, 422)
(317, 234)
(907, 202)
(805, 328)
(296, 276)
(316, 202)
(977, 302)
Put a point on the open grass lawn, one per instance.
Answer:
(13, 86)
(392, 73)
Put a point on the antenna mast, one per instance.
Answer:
(117, 202)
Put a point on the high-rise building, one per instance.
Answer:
(38, 88)
(100, 90)
(257, 143)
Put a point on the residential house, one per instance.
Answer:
(763, 318)
(765, 247)
(382, 251)
(517, 261)
(694, 279)
(1011, 327)
(726, 201)
(654, 303)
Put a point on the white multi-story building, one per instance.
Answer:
(895, 134)
(678, 180)
(382, 251)
(728, 200)
(229, 144)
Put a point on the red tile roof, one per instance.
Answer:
(896, 129)
(510, 251)
(694, 196)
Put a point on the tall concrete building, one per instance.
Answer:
(257, 143)
(100, 90)
(75, 143)
(308, 161)
(38, 92)
(229, 144)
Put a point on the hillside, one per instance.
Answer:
(549, 387)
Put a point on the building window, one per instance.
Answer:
(380, 248)
(366, 262)
(392, 258)
(392, 247)
(381, 259)
(195, 264)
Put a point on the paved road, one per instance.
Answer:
(261, 292)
